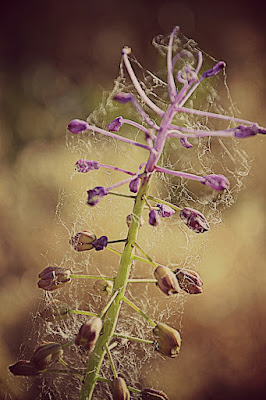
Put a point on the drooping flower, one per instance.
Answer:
(23, 368)
(168, 340)
(115, 125)
(88, 333)
(216, 182)
(119, 389)
(194, 219)
(52, 278)
(95, 195)
(246, 131)
(86, 165)
(188, 280)
(134, 185)
(166, 280)
(165, 211)
(46, 355)
(77, 126)
(154, 218)
(214, 70)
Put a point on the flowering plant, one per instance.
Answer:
(98, 335)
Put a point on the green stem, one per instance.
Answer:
(81, 312)
(146, 255)
(164, 202)
(105, 278)
(142, 280)
(135, 257)
(67, 344)
(108, 304)
(132, 305)
(109, 355)
(122, 195)
(101, 379)
(117, 241)
(134, 339)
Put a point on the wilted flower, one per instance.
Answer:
(55, 309)
(194, 219)
(134, 185)
(86, 165)
(46, 355)
(101, 243)
(166, 280)
(23, 368)
(151, 394)
(168, 340)
(216, 182)
(214, 70)
(123, 97)
(190, 281)
(83, 241)
(165, 211)
(154, 218)
(119, 389)
(129, 218)
(52, 278)
(115, 125)
(246, 131)
(77, 126)
(95, 195)
(89, 333)
(104, 287)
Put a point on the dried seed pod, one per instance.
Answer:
(120, 390)
(89, 333)
(166, 280)
(188, 280)
(46, 355)
(194, 219)
(151, 394)
(154, 218)
(23, 368)
(104, 287)
(165, 211)
(168, 340)
(55, 309)
(83, 241)
(52, 278)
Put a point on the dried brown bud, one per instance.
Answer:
(89, 333)
(23, 368)
(55, 309)
(104, 287)
(46, 355)
(166, 280)
(168, 340)
(188, 280)
(129, 218)
(52, 278)
(151, 394)
(83, 241)
(120, 390)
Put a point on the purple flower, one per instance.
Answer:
(154, 218)
(134, 185)
(246, 131)
(101, 243)
(77, 126)
(165, 211)
(86, 165)
(194, 219)
(123, 97)
(185, 143)
(216, 182)
(95, 195)
(214, 70)
(116, 124)
(261, 130)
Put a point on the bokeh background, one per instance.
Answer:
(56, 58)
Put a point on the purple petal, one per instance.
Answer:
(123, 97)
(134, 185)
(115, 125)
(101, 243)
(194, 219)
(185, 143)
(95, 195)
(246, 131)
(154, 218)
(214, 70)
(86, 165)
(165, 211)
(77, 126)
(216, 182)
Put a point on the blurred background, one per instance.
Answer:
(56, 59)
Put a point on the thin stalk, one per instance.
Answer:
(105, 278)
(134, 339)
(138, 310)
(117, 241)
(108, 304)
(130, 388)
(181, 174)
(164, 202)
(145, 254)
(109, 355)
(136, 257)
(67, 344)
(142, 280)
(122, 195)
(81, 312)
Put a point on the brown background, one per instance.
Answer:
(56, 57)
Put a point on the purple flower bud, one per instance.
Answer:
(194, 219)
(23, 368)
(154, 218)
(190, 281)
(165, 211)
(89, 333)
(166, 280)
(134, 185)
(261, 130)
(246, 131)
(86, 165)
(151, 394)
(119, 389)
(101, 243)
(123, 98)
(185, 143)
(116, 124)
(52, 278)
(216, 182)
(77, 126)
(168, 340)
(46, 355)
(214, 70)
(95, 195)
